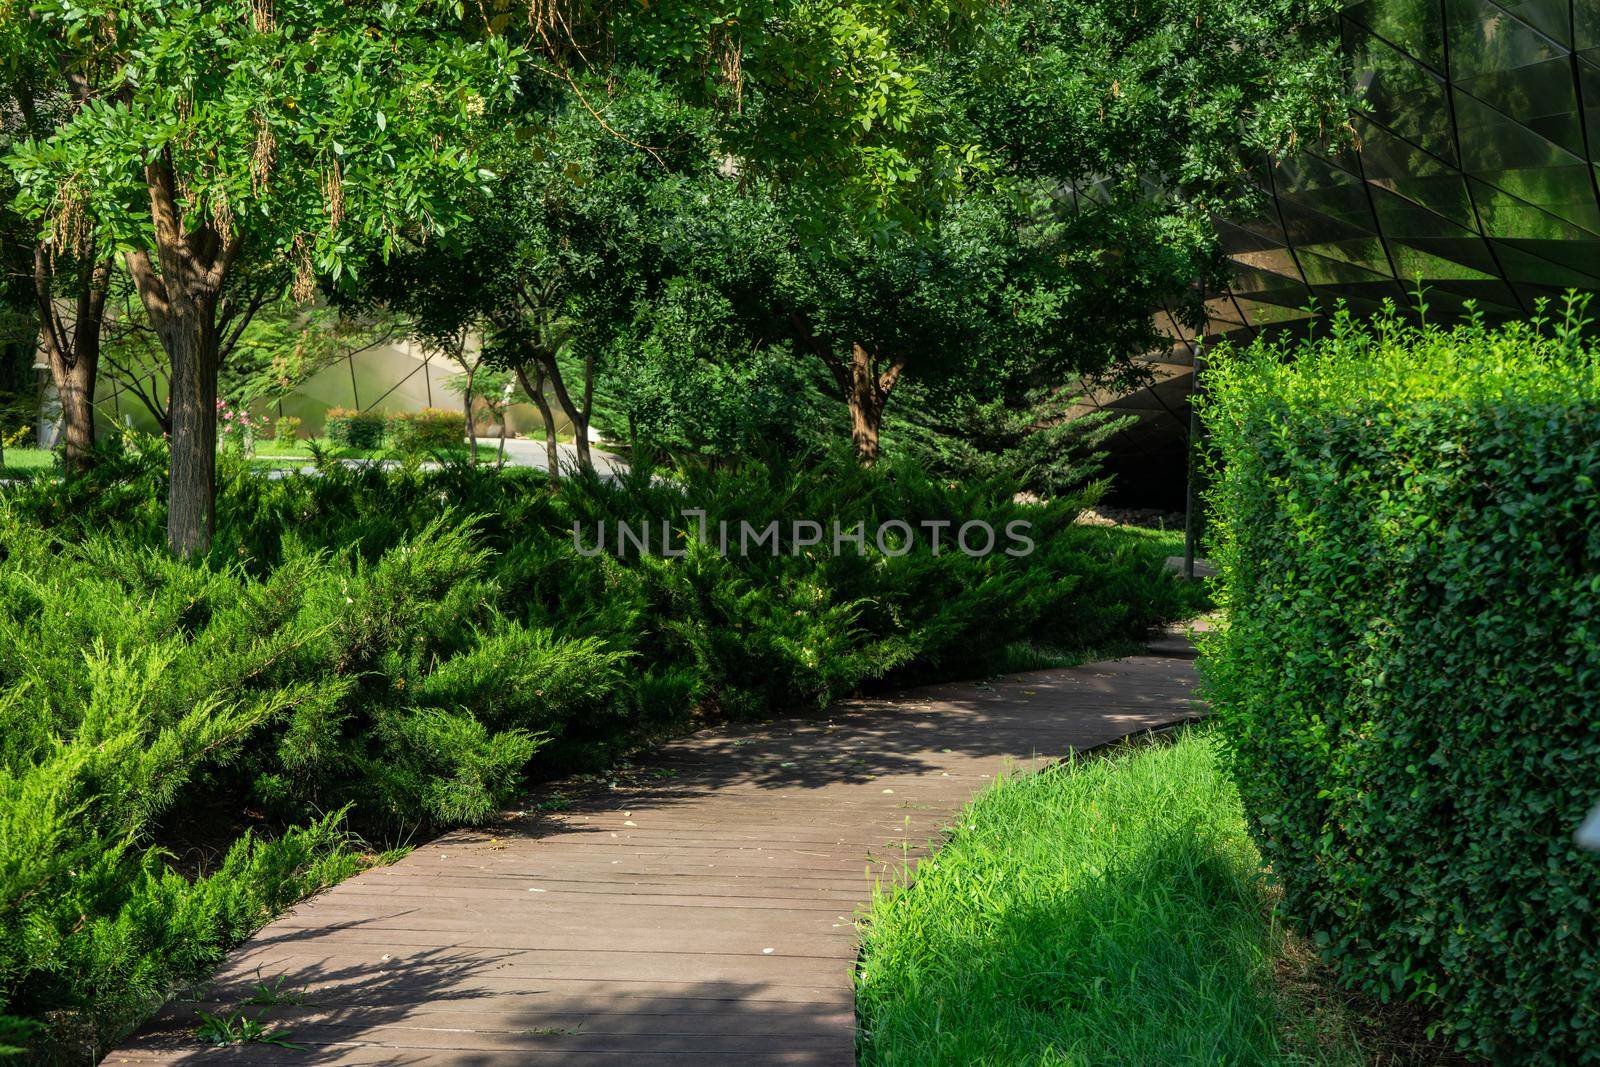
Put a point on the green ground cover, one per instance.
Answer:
(1110, 910)
(409, 648)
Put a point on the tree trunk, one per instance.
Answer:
(579, 419)
(552, 448)
(472, 429)
(191, 343)
(588, 408)
(865, 389)
(181, 300)
(75, 388)
(73, 351)
(867, 401)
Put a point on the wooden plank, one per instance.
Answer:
(701, 911)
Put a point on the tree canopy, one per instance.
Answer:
(213, 139)
(682, 196)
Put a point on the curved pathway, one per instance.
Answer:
(699, 911)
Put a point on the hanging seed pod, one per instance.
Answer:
(305, 278)
(261, 16)
(263, 154)
(222, 214)
(70, 231)
(730, 62)
(333, 193)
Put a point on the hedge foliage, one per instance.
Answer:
(1407, 523)
(414, 644)
(428, 430)
(354, 429)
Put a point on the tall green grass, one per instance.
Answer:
(1106, 911)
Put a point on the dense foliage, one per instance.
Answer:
(213, 142)
(414, 644)
(1037, 442)
(1019, 186)
(1407, 522)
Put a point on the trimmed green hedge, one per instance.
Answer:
(354, 429)
(1407, 523)
(428, 430)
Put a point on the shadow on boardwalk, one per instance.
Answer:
(438, 1008)
(699, 911)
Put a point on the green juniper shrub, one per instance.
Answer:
(412, 645)
(1034, 440)
(428, 430)
(1407, 525)
(354, 429)
(286, 430)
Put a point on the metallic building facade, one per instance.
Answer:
(1478, 132)
(1474, 175)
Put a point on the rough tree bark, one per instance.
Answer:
(182, 299)
(73, 352)
(865, 387)
(191, 495)
(866, 401)
(552, 448)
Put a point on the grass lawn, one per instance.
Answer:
(19, 461)
(1165, 543)
(27, 461)
(1110, 911)
(270, 453)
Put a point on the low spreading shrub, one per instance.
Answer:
(354, 429)
(413, 644)
(1407, 523)
(286, 430)
(428, 430)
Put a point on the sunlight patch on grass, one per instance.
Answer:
(27, 460)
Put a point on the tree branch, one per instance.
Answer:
(152, 287)
(95, 284)
(234, 321)
(887, 380)
(130, 381)
(808, 337)
(49, 322)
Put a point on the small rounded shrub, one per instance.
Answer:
(354, 429)
(428, 430)
(286, 430)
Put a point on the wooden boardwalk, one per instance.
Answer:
(700, 912)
